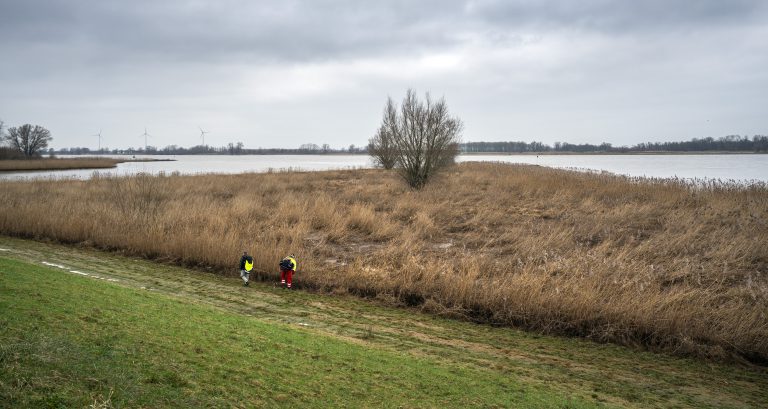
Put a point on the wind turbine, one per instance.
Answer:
(145, 135)
(99, 135)
(202, 134)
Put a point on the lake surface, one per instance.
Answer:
(736, 167)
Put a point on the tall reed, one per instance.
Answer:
(660, 263)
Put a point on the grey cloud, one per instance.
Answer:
(257, 31)
(298, 31)
(619, 16)
(76, 62)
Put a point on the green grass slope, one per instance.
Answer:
(94, 329)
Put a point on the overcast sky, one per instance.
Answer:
(284, 73)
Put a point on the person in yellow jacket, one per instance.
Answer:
(246, 265)
(287, 268)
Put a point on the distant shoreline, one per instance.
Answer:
(549, 153)
(612, 153)
(46, 164)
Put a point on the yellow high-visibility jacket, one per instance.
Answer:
(293, 262)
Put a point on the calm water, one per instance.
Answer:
(739, 167)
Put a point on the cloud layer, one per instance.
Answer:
(285, 73)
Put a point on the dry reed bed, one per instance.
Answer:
(57, 164)
(654, 263)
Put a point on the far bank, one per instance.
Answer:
(16, 165)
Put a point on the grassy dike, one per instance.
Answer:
(70, 341)
(98, 329)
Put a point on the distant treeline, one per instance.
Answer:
(730, 143)
(231, 149)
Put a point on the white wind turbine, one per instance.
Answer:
(99, 135)
(145, 135)
(202, 134)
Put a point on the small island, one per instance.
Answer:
(16, 165)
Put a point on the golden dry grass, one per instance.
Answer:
(57, 164)
(654, 263)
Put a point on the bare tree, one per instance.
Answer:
(382, 148)
(421, 136)
(28, 139)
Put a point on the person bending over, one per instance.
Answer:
(287, 268)
(246, 265)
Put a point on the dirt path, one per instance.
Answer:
(606, 373)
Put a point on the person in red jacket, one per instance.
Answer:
(287, 268)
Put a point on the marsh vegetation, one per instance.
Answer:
(658, 263)
(57, 164)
